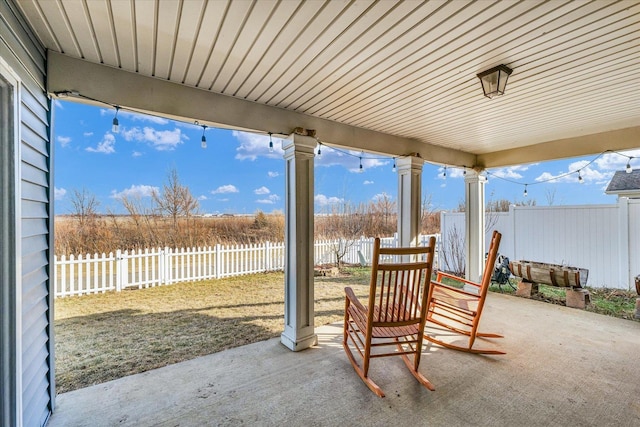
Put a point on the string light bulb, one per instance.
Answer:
(444, 173)
(361, 168)
(580, 179)
(319, 150)
(203, 144)
(628, 168)
(394, 165)
(270, 143)
(525, 194)
(115, 127)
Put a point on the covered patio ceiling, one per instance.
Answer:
(389, 77)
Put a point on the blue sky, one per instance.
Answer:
(236, 173)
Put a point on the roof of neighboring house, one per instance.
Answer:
(623, 182)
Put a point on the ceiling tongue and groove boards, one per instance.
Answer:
(394, 77)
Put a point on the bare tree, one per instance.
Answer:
(453, 252)
(175, 200)
(343, 226)
(550, 196)
(85, 206)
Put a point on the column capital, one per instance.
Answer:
(409, 163)
(298, 144)
(474, 177)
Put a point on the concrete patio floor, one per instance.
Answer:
(563, 367)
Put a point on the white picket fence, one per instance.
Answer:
(97, 273)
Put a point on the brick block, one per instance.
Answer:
(526, 289)
(578, 298)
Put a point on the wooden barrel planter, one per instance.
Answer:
(550, 274)
(562, 276)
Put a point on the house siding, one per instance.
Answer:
(27, 59)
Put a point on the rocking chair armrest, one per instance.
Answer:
(441, 274)
(454, 289)
(353, 299)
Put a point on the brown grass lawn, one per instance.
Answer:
(107, 336)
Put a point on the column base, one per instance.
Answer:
(299, 344)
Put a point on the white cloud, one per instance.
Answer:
(87, 134)
(229, 188)
(381, 196)
(106, 146)
(367, 182)
(452, 172)
(350, 160)
(615, 162)
(262, 190)
(587, 172)
(354, 163)
(203, 197)
(161, 140)
(136, 154)
(135, 191)
(59, 193)
(136, 117)
(222, 200)
(63, 140)
(254, 145)
(270, 200)
(323, 200)
(511, 172)
(58, 104)
(272, 174)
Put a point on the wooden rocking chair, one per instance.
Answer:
(394, 314)
(459, 309)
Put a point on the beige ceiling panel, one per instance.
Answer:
(145, 36)
(166, 33)
(255, 27)
(190, 22)
(279, 49)
(233, 24)
(37, 21)
(205, 41)
(380, 58)
(316, 35)
(351, 47)
(273, 25)
(82, 27)
(426, 76)
(125, 34)
(101, 19)
(57, 19)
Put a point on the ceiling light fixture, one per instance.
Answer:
(494, 80)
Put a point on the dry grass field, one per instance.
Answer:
(107, 336)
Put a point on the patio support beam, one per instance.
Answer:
(409, 199)
(299, 332)
(474, 224)
(147, 94)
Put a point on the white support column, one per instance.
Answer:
(409, 199)
(474, 224)
(299, 332)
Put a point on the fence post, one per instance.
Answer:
(267, 256)
(623, 245)
(218, 258)
(118, 270)
(168, 267)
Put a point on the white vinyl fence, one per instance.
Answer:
(163, 266)
(605, 239)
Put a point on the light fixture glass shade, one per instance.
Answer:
(494, 81)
